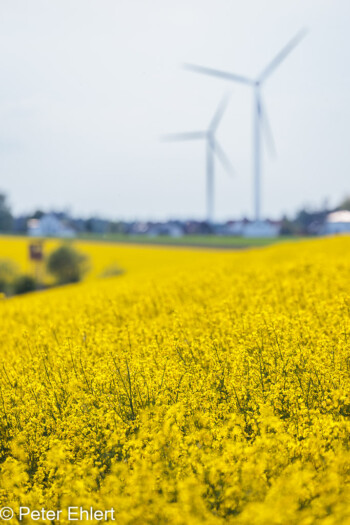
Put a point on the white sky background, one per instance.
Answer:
(88, 86)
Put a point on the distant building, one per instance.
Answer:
(167, 228)
(154, 229)
(49, 226)
(261, 229)
(234, 228)
(247, 228)
(138, 228)
(197, 228)
(336, 222)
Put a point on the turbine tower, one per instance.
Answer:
(213, 149)
(260, 116)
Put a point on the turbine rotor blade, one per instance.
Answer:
(266, 126)
(219, 112)
(282, 55)
(223, 158)
(216, 73)
(193, 135)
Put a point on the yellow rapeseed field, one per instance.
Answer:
(197, 388)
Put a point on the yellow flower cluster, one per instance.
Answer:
(197, 388)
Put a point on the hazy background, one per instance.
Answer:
(88, 86)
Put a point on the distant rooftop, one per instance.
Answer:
(339, 216)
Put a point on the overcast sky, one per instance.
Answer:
(88, 86)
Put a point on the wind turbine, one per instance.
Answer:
(213, 149)
(260, 116)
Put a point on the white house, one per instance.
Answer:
(49, 226)
(336, 222)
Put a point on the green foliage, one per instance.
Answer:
(288, 227)
(8, 274)
(38, 214)
(24, 284)
(345, 204)
(6, 219)
(67, 264)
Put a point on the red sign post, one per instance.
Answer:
(36, 251)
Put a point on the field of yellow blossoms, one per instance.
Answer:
(199, 387)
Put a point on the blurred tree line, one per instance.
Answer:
(6, 218)
(305, 222)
